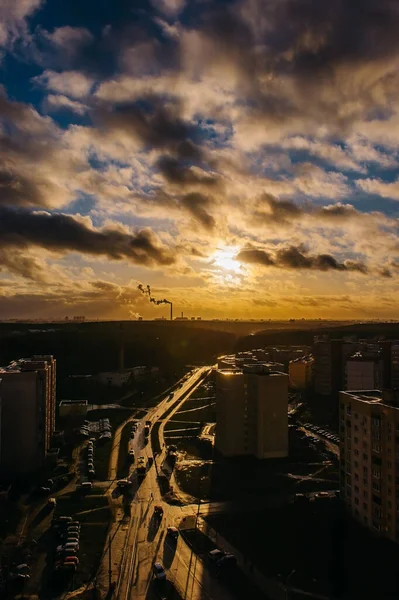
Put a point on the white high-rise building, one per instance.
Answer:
(252, 412)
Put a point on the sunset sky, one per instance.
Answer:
(241, 158)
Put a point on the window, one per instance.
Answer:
(356, 477)
(356, 464)
(389, 464)
(376, 422)
(356, 501)
(389, 426)
(356, 452)
(365, 445)
(349, 410)
(389, 492)
(376, 473)
(376, 525)
(356, 428)
(389, 478)
(356, 415)
(356, 512)
(357, 489)
(356, 440)
(389, 504)
(389, 438)
(365, 456)
(365, 495)
(377, 511)
(365, 507)
(376, 447)
(389, 517)
(365, 470)
(389, 451)
(365, 482)
(376, 486)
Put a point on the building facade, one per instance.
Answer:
(252, 412)
(329, 364)
(364, 371)
(27, 415)
(300, 372)
(369, 459)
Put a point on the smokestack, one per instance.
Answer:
(171, 311)
(181, 314)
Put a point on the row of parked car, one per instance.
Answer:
(67, 536)
(323, 432)
(90, 459)
(105, 430)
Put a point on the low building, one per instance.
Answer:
(369, 450)
(300, 372)
(69, 408)
(123, 377)
(252, 412)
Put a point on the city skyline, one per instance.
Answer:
(240, 157)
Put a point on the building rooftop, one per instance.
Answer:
(384, 398)
(256, 369)
(303, 359)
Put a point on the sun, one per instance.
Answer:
(224, 258)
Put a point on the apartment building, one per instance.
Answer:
(329, 364)
(27, 415)
(364, 371)
(369, 429)
(252, 412)
(300, 372)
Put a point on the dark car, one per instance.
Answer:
(158, 511)
(228, 561)
(172, 532)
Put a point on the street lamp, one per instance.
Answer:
(286, 584)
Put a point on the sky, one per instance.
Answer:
(240, 157)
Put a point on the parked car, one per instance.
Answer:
(227, 561)
(216, 555)
(52, 503)
(172, 532)
(123, 483)
(84, 487)
(159, 571)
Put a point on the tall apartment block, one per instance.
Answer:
(28, 414)
(300, 372)
(252, 412)
(329, 364)
(369, 458)
(364, 371)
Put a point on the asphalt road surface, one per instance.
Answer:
(147, 540)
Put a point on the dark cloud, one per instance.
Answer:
(179, 172)
(271, 210)
(257, 257)
(197, 205)
(63, 233)
(298, 258)
(312, 46)
(154, 121)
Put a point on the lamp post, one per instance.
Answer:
(286, 584)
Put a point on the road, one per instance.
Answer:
(147, 540)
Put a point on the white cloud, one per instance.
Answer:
(13, 15)
(70, 83)
(55, 103)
